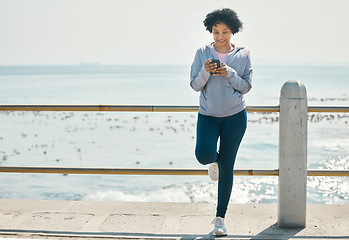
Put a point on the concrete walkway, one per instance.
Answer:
(124, 220)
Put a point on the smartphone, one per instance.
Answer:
(216, 61)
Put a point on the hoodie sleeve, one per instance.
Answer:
(242, 83)
(198, 75)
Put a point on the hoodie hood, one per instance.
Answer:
(237, 48)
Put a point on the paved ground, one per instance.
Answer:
(123, 220)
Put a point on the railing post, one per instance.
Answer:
(292, 196)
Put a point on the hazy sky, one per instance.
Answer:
(167, 31)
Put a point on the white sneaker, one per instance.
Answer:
(213, 171)
(219, 228)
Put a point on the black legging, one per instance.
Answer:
(230, 130)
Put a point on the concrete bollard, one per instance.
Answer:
(292, 195)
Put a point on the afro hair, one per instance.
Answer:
(226, 16)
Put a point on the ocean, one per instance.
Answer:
(157, 140)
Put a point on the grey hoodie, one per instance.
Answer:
(222, 96)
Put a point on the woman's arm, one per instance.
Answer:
(198, 74)
(242, 84)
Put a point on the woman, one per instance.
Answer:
(222, 112)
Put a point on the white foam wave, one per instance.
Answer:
(163, 195)
(246, 190)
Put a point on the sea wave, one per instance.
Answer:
(246, 190)
(324, 190)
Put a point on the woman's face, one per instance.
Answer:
(221, 34)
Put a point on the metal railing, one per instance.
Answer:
(160, 171)
(121, 108)
(151, 108)
(154, 171)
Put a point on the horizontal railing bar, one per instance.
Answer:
(328, 173)
(263, 109)
(128, 171)
(159, 171)
(122, 108)
(151, 108)
(328, 109)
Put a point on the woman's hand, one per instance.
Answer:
(210, 67)
(221, 71)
